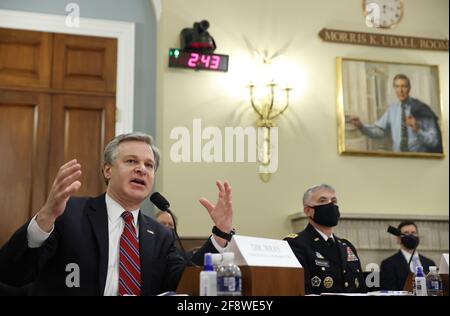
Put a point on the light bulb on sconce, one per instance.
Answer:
(268, 101)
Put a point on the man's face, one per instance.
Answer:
(401, 89)
(166, 220)
(319, 197)
(407, 230)
(132, 173)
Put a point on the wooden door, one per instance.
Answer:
(57, 102)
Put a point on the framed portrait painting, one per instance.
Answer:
(389, 109)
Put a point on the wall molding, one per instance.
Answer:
(374, 216)
(124, 32)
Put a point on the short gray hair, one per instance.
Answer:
(110, 153)
(311, 190)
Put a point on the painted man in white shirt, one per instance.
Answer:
(412, 124)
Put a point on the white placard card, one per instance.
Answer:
(263, 252)
(443, 266)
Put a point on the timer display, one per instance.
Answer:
(197, 60)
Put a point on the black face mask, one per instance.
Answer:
(410, 241)
(326, 215)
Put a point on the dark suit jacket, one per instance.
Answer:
(394, 271)
(81, 236)
(327, 269)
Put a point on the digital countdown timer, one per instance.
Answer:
(196, 60)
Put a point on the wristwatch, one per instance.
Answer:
(227, 236)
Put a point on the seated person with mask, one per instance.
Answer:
(330, 263)
(394, 270)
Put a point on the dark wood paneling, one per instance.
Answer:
(24, 121)
(81, 127)
(25, 58)
(84, 63)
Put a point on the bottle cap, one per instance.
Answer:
(419, 271)
(228, 258)
(208, 262)
(216, 259)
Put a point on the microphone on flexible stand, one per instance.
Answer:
(161, 202)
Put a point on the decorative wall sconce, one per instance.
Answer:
(268, 101)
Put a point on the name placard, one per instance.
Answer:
(383, 40)
(263, 252)
(443, 266)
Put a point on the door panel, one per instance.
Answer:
(84, 63)
(25, 58)
(81, 128)
(24, 121)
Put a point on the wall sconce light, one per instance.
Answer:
(268, 101)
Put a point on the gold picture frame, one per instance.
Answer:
(376, 118)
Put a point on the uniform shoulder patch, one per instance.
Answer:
(290, 236)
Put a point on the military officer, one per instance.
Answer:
(330, 263)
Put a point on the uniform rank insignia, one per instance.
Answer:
(291, 236)
(319, 255)
(316, 281)
(350, 255)
(328, 282)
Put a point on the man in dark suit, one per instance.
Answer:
(395, 270)
(105, 245)
(330, 263)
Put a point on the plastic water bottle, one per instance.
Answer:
(420, 282)
(434, 283)
(229, 282)
(208, 278)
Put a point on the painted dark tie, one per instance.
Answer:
(129, 262)
(404, 136)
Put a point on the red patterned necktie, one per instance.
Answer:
(129, 262)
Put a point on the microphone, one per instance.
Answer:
(161, 202)
(394, 231)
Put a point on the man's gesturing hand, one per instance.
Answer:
(222, 212)
(65, 185)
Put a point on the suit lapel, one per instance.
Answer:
(98, 217)
(146, 251)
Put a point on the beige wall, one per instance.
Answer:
(307, 132)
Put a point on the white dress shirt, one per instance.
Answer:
(324, 236)
(36, 237)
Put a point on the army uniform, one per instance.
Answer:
(327, 267)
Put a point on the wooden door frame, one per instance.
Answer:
(124, 32)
